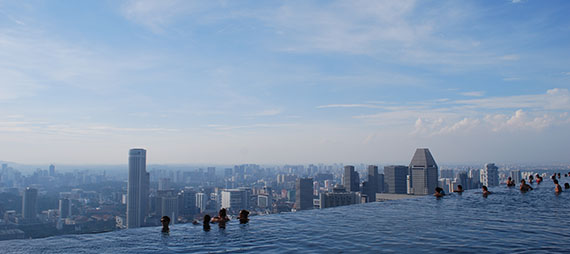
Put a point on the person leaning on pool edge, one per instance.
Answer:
(243, 216)
(165, 220)
(459, 189)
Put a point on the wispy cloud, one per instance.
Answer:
(512, 57)
(349, 106)
(473, 93)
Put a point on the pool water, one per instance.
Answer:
(507, 221)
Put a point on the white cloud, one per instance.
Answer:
(512, 57)
(349, 106)
(473, 93)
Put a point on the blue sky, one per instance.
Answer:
(284, 82)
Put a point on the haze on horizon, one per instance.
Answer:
(230, 82)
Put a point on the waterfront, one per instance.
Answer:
(506, 221)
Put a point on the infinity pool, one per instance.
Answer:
(505, 222)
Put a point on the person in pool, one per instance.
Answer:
(165, 220)
(538, 179)
(530, 179)
(486, 191)
(525, 187)
(566, 186)
(510, 182)
(243, 216)
(439, 192)
(222, 218)
(459, 189)
(557, 187)
(206, 223)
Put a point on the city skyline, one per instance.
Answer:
(284, 82)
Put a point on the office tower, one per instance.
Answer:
(490, 175)
(169, 207)
(395, 179)
(304, 194)
(137, 191)
(187, 202)
(211, 174)
(228, 173)
(462, 179)
(51, 170)
(64, 208)
(374, 185)
(201, 201)
(381, 188)
(234, 199)
(29, 204)
(264, 201)
(164, 184)
(423, 173)
(351, 180)
(446, 173)
(338, 197)
(316, 188)
(516, 176)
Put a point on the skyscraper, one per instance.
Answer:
(395, 179)
(373, 185)
(137, 190)
(423, 173)
(516, 176)
(490, 175)
(351, 179)
(304, 194)
(201, 201)
(64, 208)
(51, 170)
(29, 204)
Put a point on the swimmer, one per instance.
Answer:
(459, 189)
(525, 187)
(530, 179)
(510, 182)
(243, 219)
(206, 224)
(486, 191)
(558, 175)
(165, 220)
(538, 179)
(439, 192)
(557, 187)
(566, 186)
(222, 218)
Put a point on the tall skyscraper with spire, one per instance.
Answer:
(423, 173)
(138, 189)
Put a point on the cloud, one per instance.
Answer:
(268, 112)
(156, 15)
(512, 79)
(473, 93)
(349, 106)
(512, 57)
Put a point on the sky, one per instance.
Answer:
(269, 82)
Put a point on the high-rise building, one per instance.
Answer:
(187, 202)
(304, 194)
(338, 197)
(64, 208)
(211, 174)
(516, 176)
(138, 189)
(373, 185)
(462, 179)
(351, 180)
(395, 179)
(490, 175)
(201, 201)
(170, 207)
(446, 173)
(264, 201)
(164, 184)
(234, 199)
(423, 173)
(51, 170)
(29, 204)
(228, 173)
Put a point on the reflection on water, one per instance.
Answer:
(506, 221)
